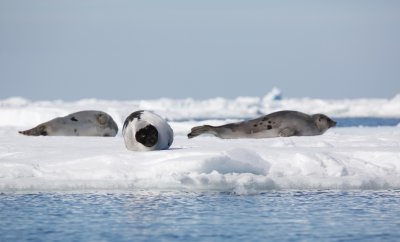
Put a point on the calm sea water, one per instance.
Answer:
(344, 122)
(366, 122)
(180, 216)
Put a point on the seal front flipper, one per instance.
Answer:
(287, 132)
(205, 129)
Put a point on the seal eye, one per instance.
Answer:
(148, 136)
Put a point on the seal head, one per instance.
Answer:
(148, 136)
(323, 122)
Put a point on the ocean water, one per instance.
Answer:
(206, 216)
(366, 122)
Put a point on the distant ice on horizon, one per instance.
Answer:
(18, 111)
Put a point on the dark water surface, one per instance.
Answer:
(366, 122)
(181, 216)
(341, 122)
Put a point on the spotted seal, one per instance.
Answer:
(277, 124)
(83, 123)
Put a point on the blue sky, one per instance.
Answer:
(127, 50)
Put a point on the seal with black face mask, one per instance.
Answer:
(145, 131)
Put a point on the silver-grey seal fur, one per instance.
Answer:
(83, 123)
(278, 124)
(146, 131)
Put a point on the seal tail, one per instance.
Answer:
(205, 129)
(39, 130)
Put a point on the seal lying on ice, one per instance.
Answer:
(278, 124)
(145, 131)
(83, 123)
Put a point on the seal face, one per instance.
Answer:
(278, 124)
(145, 131)
(83, 123)
(148, 136)
(323, 122)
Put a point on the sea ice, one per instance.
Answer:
(342, 158)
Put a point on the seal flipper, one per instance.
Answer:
(205, 129)
(287, 132)
(38, 130)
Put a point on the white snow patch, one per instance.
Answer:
(344, 158)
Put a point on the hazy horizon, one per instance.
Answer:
(130, 50)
